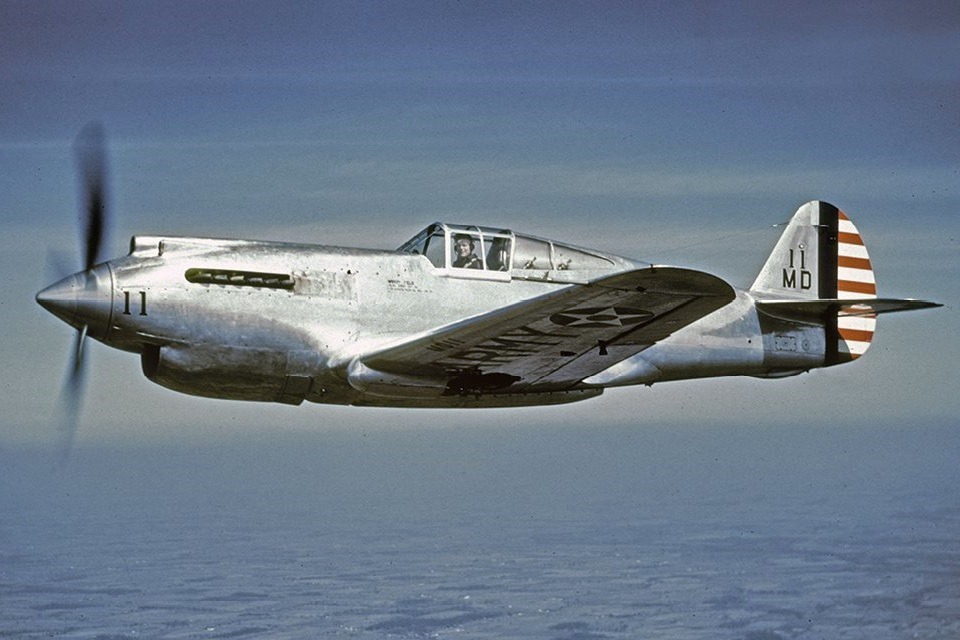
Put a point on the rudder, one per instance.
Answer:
(855, 280)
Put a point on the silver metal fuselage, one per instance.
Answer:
(284, 322)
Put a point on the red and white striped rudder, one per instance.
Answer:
(855, 280)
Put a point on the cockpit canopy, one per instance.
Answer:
(451, 246)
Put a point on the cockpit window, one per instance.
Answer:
(532, 253)
(435, 248)
(450, 246)
(499, 256)
(543, 255)
(430, 242)
(569, 258)
(464, 247)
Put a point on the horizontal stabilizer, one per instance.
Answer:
(806, 310)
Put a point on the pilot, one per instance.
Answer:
(463, 248)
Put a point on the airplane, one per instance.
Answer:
(460, 315)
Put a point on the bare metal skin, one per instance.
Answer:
(459, 316)
(535, 322)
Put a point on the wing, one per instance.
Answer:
(553, 341)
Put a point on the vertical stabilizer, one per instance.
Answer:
(821, 256)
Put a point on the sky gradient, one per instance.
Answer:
(675, 134)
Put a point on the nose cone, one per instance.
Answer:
(85, 298)
(60, 299)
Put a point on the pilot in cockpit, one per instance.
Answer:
(463, 249)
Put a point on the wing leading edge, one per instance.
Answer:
(554, 341)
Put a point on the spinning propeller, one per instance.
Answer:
(81, 299)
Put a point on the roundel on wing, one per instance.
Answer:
(599, 317)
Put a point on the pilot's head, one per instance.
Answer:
(463, 245)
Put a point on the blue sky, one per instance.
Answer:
(672, 133)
